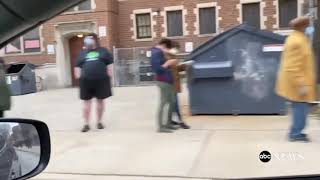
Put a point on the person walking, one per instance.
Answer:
(94, 71)
(164, 79)
(297, 77)
(5, 94)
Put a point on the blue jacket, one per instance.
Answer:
(157, 60)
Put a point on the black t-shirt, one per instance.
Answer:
(93, 63)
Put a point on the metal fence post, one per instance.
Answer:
(115, 66)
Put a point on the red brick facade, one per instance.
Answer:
(269, 11)
(116, 15)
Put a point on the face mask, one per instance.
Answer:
(309, 31)
(89, 42)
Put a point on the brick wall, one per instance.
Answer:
(37, 59)
(229, 14)
(269, 11)
(105, 14)
(117, 16)
(126, 9)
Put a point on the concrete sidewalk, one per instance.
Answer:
(215, 147)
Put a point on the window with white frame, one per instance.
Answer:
(251, 14)
(28, 43)
(288, 10)
(207, 20)
(143, 26)
(84, 6)
(174, 23)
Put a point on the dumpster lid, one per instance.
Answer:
(18, 67)
(231, 32)
(15, 68)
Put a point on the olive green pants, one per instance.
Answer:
(167, 99)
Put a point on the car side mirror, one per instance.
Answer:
(24, 148)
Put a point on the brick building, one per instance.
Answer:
(140, 23)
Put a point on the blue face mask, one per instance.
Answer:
(89, 41)
(309, 30)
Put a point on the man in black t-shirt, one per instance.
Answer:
(94, 71)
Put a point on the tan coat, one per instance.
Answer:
(177, 77)
(297, 69)
(176, 73)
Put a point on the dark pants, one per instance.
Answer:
(1, 114)
(300, 112)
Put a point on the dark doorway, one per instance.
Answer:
(76, 45)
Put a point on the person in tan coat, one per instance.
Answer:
(176, 69)
(297, 77)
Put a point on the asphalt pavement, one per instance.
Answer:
(28, 161)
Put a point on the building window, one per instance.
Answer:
(31, 41)
(143, 25)
(207, 20)
(174, 23)
(13, 47)
(251, 14)
(288, 10)
(84, 6)
(28, 43)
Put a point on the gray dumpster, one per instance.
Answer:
(235, 73)
(21, 79)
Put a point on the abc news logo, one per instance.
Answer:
(265, 156)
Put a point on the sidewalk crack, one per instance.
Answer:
(203, 147)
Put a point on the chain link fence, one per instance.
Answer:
(132, 66)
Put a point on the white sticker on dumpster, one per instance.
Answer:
(8, 80)
(14, 78)
(213, 65)
(273, 48)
